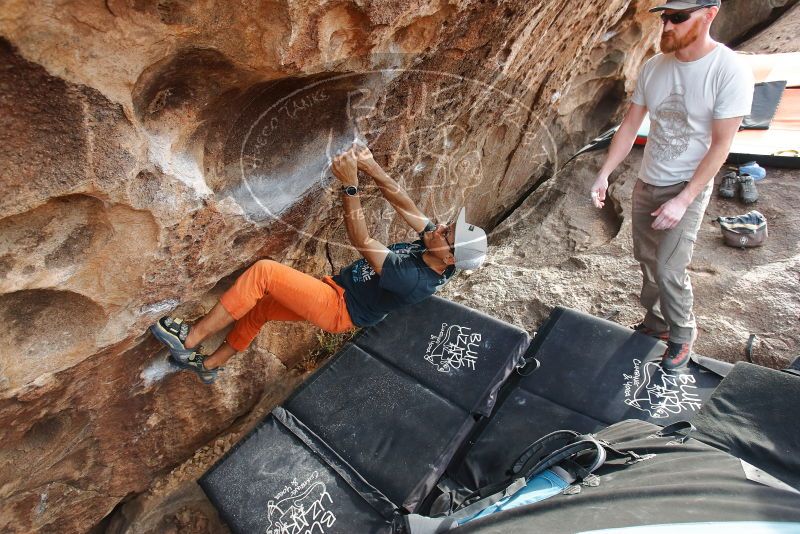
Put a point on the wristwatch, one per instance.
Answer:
(350, 190)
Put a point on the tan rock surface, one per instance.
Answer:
(738, 19)
(146, 149)
(781, 36)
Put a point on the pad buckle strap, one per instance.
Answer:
(527, 366)
(675, 429)
(636, 458)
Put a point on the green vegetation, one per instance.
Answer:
(329, 344)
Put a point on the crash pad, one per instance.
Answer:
(752, 415)
(766, 98)
(371, 414)
(295, 484)
(780, 144)
(396, 403)
(592, 373)
(460, 353)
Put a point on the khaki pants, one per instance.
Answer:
(664, 256)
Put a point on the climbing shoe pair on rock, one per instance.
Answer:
(173, 332)
(743, 184)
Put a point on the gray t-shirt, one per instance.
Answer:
(683, 99)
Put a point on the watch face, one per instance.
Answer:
(351, 190)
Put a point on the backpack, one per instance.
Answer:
(570, 455)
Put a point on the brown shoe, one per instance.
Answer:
(641, 328)
(727, 187)
(747, 189)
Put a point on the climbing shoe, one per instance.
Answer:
(727, 188)
(641, 328)
(195, 362)
(172, 333)
(747, 189)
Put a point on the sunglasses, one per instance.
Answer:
(680, 17)
(446, 235)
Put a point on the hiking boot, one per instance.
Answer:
(678, 355)
(747, 189)
(641, 328)
(172, 332)
(727, 188)
(195, 362)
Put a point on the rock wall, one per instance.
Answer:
(738, 20)
(151, 150)
(781, 36)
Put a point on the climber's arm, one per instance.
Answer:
(391, 190)
(375, 252)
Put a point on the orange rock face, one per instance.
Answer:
(149, 151)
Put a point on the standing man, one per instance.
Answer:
(697, 92)
(362, 294)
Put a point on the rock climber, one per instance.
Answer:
(362, 294)
(697, 91)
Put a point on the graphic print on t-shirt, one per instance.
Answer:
(363, 271)
(670, 130)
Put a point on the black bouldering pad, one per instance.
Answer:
(501, 439)
(611, 373)
(280, 478)
(593, 373)
(397, 433)
(753, 415)
(393, 407)
(460, 353)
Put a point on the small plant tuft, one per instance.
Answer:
(329, 344)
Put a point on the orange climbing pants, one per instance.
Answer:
(269, 291)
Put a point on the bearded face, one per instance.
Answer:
(680, 35)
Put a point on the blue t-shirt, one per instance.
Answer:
(405, 279)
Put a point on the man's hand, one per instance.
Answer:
(599, 189)
(669, 214)
(344, 167)
(366, 162)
